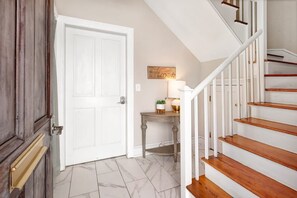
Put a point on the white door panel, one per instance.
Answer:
(95, 81)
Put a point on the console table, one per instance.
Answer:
(167, 117)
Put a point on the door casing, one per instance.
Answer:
(62, 22)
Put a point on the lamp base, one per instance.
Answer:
(175, 104)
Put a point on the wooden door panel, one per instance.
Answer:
(47, 167)
(39, 179)
(40, 77)
(29, 65)
(7, 70)
(25, 91)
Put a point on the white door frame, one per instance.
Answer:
(62, 22)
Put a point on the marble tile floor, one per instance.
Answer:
(151, 177)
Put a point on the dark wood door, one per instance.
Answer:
(26, 46)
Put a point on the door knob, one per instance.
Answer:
(56, 130)
(122, 100)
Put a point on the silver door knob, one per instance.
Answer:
(122, 100)
(56, 130)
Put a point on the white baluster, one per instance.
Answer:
(241, 10)
(259, 70)
(252, 71)
(238, 86)
(196, 134)
(215, 117)
(258, 89)
(244, 97)
(230, 101)
(206, 126)
(223, 103)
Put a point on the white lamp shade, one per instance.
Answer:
(173, 88)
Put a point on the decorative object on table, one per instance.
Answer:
(174, 93)
(157, 72)
(160, 106)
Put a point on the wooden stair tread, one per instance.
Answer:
(271, 153)
(281, 90)
(274, 105)
(275, 55)
(242, 22)
(280, 75)
(250, 179)
(280, 61)
(230, 4)
(204, 188)
(275, 126)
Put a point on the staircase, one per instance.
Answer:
(253, 124)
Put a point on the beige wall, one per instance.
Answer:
(154, 44)
(282, 24)
(209, 66)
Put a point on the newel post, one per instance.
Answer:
(186, 141)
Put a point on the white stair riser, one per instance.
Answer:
(280, 68)
(227, 184)
(281, 97)
(281, 82)
(274, 114)
(273, 138)
(269, 168)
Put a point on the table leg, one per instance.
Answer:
(174, 131)
(143, 128)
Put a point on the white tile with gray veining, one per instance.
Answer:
(62, 183)
(160, 178)
(142, 189)
(171, 193)
(151, 177)
(88, 195)
(145, 163)
(173, 168)
(130, 170)
(84, 179)
(112, 185)
(106, 166)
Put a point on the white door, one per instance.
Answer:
(95, 81)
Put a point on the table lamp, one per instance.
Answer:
(174, 93)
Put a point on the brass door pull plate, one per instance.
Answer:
(24, 165)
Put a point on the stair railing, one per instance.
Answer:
(247, 68)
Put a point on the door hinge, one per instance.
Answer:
(209, 134)
(209, 98)
(17, 117)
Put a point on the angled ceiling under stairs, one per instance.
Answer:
(198, 25)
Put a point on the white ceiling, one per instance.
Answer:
(197, 24)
